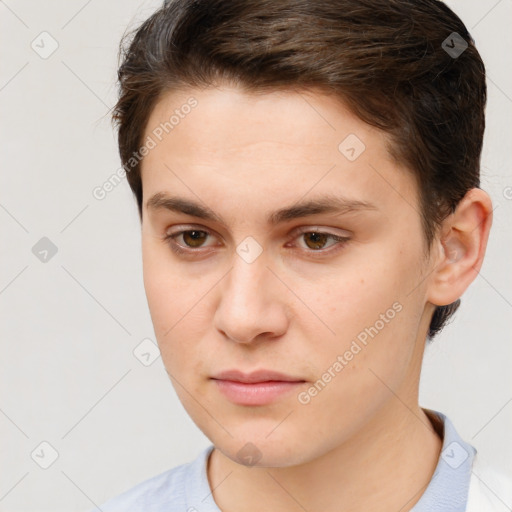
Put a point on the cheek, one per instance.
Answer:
(354, 297)
(166, 295)
(162, 300)
(178, 307)
(166, 288)
(373, 314)
(357, 370)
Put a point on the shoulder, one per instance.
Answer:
(489, 489)
(165, 492)
(152, 495)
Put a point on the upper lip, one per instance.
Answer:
(256, 376)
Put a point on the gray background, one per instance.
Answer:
(70, 324)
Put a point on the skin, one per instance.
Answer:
(363, 441)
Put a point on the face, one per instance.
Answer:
(273, 239)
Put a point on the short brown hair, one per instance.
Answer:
(389, 61)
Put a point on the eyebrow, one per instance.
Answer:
(323, 204)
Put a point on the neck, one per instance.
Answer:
(387, 465)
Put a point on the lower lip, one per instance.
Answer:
(258, 393)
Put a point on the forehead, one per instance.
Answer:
(225, 119)
(274, 146)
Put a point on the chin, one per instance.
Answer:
(260, 452)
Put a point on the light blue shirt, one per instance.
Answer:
(185, 488)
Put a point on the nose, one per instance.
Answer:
(252, 304)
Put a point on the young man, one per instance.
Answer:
(307, 177)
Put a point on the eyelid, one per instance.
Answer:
(181, 228)
(319, 229)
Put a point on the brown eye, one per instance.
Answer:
(194, 238)
(320, 243)
(316, 240)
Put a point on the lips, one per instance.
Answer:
(256, 376)
(257, 388)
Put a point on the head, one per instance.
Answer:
(307, 178)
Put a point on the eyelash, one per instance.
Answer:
(169, 239)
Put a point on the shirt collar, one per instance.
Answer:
(449, 486)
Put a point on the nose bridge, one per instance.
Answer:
(250, 304)
(247, 287)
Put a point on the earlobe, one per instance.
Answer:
(462, 245)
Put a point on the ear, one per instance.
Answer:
(460, 248)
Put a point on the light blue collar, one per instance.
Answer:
(448, 489)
